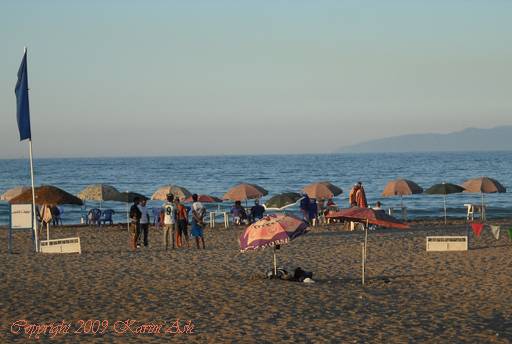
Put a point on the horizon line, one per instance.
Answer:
(255, 154)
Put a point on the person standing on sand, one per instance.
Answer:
(144, 222)
(182, 221)
(352, 196)
(361, 196)
(135, 215)
(198, 212)
(169, 221)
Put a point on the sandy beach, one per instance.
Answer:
(220, 295)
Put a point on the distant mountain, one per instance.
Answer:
(470, 139)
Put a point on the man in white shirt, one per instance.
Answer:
(144, 221)
(169, 210)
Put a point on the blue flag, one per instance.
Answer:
(22, 108)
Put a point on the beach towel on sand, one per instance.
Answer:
(495, 230)
(477, 228)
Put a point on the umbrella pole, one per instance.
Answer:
(482, 210)
(362, 263)
(444, 198)
(47, 230)
(275, 263)
(365, 240)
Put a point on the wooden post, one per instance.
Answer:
(275, 263)
(362, 264)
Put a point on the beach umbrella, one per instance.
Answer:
(401, 187)
(272, 230)
(444, 189)
(370, 216)
(99, 192)
(177, 191)
(483, 185)
(282, 201)
(47, 195)
(204, 199)
(245, 191)
(322, 190)
(129, 197)
(11, 193)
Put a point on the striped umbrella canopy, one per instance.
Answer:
(99, 192)
(282, 201)
(401, 187)
(322, 190)
(483, 185)
(444, 189)
(47, 195)
(204, 199)
(272, 230)
(11, 193)
(245, 191)
(177, 191)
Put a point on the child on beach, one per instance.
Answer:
(198, 212)
(182, 221)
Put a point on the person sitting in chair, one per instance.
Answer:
(238, 213)
(107, 216)
(93, 216)
(257, 211)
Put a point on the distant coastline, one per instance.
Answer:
(495, 139)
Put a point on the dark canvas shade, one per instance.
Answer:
(444, 189)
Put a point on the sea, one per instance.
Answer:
(214, 175)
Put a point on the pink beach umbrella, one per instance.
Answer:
(272, 230)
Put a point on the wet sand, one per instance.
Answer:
(411, 295)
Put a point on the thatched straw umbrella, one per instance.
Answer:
(11, 193)
(177, 191)
(47, 195)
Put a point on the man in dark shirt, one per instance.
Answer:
(257, 211)
(135, 215)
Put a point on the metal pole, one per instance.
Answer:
(362, 263)
(275, 263)
(444, 197)
(34, 223)
(482, 210)
(365, 240)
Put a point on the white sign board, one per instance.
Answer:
(67, 245)
(447, 243)
(21, 216)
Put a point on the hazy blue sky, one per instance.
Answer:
(230, 77)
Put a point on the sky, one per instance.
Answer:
(137, 78)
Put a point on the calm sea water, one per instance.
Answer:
(277, 173)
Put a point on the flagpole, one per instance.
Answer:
(34, 212)
(34, 225)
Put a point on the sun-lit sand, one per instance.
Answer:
(410, 296)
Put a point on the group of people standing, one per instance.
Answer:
(175, 222)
